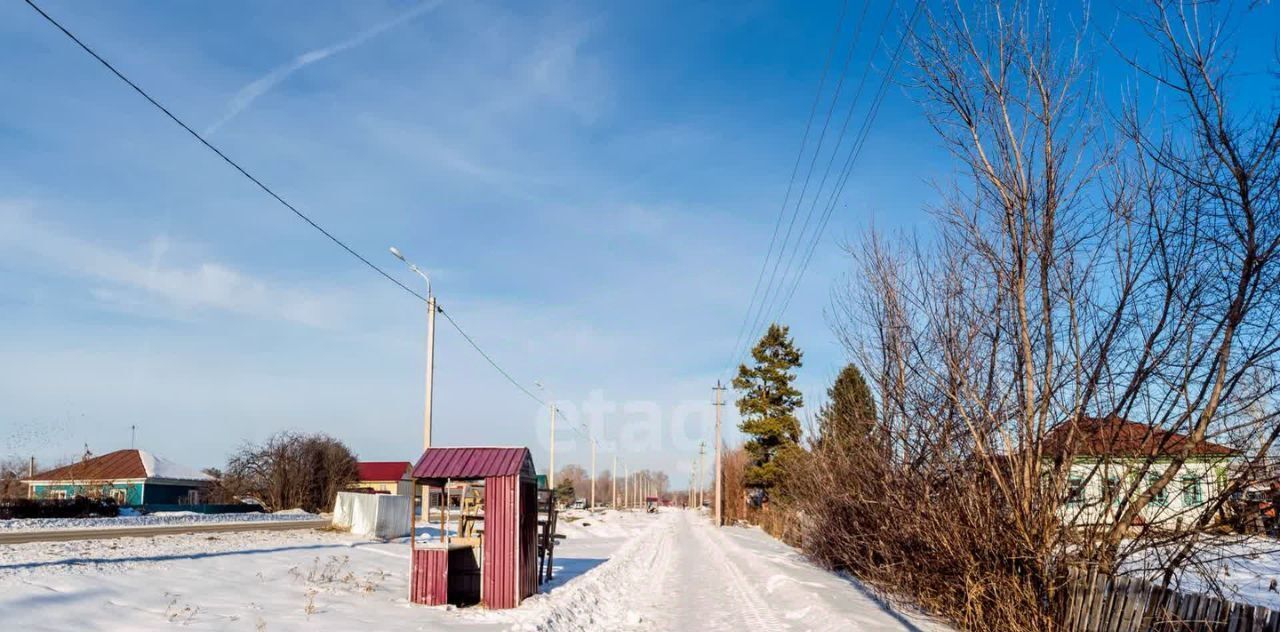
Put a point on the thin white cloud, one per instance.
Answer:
(258, 87)
(146, 282)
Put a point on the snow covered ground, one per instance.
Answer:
(615, 571)
(1242, 568)
(155, 519)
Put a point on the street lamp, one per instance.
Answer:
(431, 348)
(551, 465)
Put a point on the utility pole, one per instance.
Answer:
(702, 449)
(133, 436)
(551, 461)
(613, 480)
(626, 486)
(692, 468)
(551, 473)
(430, 370)
(719, 463)
(593, 475)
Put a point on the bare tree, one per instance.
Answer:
(291, 470)
(1083, 267)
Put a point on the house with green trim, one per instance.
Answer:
(1112, 460)
(132, 477)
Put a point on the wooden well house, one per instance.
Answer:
(486, 550)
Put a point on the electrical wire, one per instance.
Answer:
(201, 139)
(763, 312)
(795, 169)
(853, 156)
(831, 161)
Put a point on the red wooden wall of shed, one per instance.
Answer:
(429, 583)
(498, 569)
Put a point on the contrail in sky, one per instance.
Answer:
(258, 87)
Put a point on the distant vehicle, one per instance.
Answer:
(651, 504)
(580, 503)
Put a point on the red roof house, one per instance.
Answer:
(1118, 437)
(382, 471)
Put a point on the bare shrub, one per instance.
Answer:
(733, 462)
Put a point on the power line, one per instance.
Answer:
(813, 205)
(853, 155)
(759, 313)
(488, 359)
(217, 151)
(274, 195)
(763, 312)
(795, 168)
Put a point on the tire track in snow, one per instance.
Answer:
(757, 614)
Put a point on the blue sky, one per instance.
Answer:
(591, 187)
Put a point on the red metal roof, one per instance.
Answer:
(441, 463)
(121, 464)
(1115, 436)
(382, 470)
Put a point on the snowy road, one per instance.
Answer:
(736, 579)
(625, 571)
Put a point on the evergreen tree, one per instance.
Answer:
(768, 404)
(850, 411)
(564, 491)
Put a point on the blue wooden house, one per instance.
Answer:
(132, 477)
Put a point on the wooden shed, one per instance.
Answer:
(506, 548)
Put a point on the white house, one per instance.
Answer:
(1108, 455)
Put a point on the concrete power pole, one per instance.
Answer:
(693, 469)
(613, 480)
(702, 449)
(719, 508)
(430, 370)
(593, 475)
(551, 471)
(626, 486)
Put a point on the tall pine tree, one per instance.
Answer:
(768, 404)
(850, 412)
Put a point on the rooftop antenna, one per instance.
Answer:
(133, 435)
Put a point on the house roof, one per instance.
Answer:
(1116, 436)
(122, 464)
(382, 470)
(442, 463)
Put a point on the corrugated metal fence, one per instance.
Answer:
(1095, 602)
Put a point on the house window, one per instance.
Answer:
(1160, 498)
(56, 494)
(193, 497)
(1112, 490)
(119, 495)
(1075, 490)
(1192, 492)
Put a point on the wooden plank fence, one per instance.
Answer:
(1095, 602)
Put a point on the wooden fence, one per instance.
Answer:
(1094, 602)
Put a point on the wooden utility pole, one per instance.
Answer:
(719, 509)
